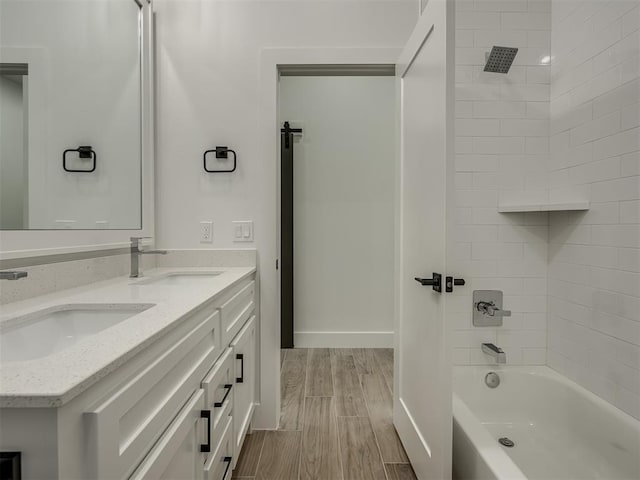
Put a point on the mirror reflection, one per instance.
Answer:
(70, 114)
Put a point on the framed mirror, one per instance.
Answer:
(71, 115)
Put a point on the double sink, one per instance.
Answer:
(54, 329)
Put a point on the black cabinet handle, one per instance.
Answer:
(228, 387)
(226, 460)
(207, 446)
(240, 379)
(450, 282)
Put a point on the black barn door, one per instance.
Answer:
(286, 235)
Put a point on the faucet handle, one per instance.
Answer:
(487, 308)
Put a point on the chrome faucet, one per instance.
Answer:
(12, 275)
(490, 308)
(495, 352)
(135, 255)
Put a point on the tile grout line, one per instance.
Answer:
(334, 411)
(284, 359)
(335, 422)
(304, 408)
(303, 417)
(382, 373)
(306, 370)
(264, 439)
(366, 404)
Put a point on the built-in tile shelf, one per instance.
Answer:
(543, 207)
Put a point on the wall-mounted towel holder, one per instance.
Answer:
(221, 152)
(83, 152)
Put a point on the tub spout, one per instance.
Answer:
(495, 352)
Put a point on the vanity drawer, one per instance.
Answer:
(124, 426)
(236, 311)
(218, 388)
(219, 465)
(172, 456)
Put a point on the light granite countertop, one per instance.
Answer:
(54, 380)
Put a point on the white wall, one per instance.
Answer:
(501, 146)
(208, 81)
(343, 208)
(12, 154)
(91, 77)
(594, 258)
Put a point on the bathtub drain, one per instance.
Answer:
(507, 442)
(492, 379)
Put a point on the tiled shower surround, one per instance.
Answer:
(594, 256)
(502, 144)
(571, 278)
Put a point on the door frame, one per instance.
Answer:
(269, 148)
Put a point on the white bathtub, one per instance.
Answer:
(560, 430)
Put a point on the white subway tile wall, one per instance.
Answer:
(594, 257)
(502, 144)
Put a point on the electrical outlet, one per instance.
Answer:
(206, 232)
(243, 231)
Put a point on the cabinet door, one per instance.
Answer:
(244, 353)
(218, 388)
(219, 464)
(176, 455)
(235, 311)
(123, 427)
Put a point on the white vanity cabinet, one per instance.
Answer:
(244, 354)
(169, 412)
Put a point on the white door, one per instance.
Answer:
(422, 392)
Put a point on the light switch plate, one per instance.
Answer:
(481, 320)
(243, 231)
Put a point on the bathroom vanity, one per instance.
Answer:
(166, 390)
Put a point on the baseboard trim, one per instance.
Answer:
(343, 339)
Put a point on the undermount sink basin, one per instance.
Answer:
(180, 278)
(54, 329)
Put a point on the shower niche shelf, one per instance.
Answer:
(580, 205)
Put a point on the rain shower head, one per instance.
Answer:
(500, 59)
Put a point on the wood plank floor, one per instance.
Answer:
(335, 420)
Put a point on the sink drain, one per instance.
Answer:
(507, 442)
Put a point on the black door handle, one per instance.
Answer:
(450, 282)
(435, 282)
(207, 446)
(240, 357)
(228, 387)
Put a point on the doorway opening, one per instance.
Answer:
(337, 180)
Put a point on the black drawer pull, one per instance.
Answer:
(207, 446)
(228, 387)
(226, 460)
(240, 357)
